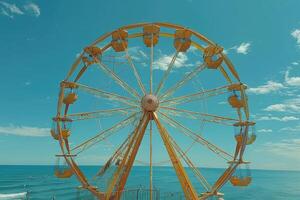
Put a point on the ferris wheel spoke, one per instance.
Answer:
(183, 81)
(100, 113)
(114, 157)
(167, 72)
(103, 135)
(117, 79)
(196, 137)
(107, 95)
(195, 96)
(81, 72)
(151, 65)
(189, 162)
(136, 74)
(199, 116)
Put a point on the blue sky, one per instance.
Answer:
(39, 40)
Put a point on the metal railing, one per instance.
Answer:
(137, 194)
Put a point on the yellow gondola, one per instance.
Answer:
(65, 125)
(70, 98)
(62, 169)
(65, 134)
(67, 173)
(235, 101)
(237, 181)
(182, 40)
(119, 40)
(149, 31)
(251, 139)
(213, 57)
(241, 127)
(242, 176)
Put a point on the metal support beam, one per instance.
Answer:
(133, 154)
(128, 160)
(189, 191)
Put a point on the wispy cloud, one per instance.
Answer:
(24, 131)
(10, 10)
(270, 86)
(291, 81)
(290, 129)
(265, 131)
(291, 105)
(296, 34)
(295, 63)
(283, 107)
(33, 9)
(287, 147)
(243, 48)
(273, 118)
(137, 54)
(163, 62)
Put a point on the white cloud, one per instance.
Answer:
(290, 129)
(193, 50)
(142, 53)
(296, 34)
(135, 53)
(295, 63)
(270, 86)
(282, 119)
(24, 131)
(292, 81)
(289, 105)
(33, 9)
(243, 48)
(265, 131)
(283, 108)
(163, 62)
(10, 10)
(27, 83)
(294, 101)
(287, 148)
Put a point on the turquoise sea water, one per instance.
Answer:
(41, 183)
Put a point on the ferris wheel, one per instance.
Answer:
(154, 98)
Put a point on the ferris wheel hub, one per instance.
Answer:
(150, 103)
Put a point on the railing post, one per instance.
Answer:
(137, 194)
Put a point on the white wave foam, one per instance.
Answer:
(15, 196)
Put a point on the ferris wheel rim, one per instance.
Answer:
(62, 141)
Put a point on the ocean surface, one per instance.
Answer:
(40, 182)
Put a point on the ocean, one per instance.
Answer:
(40, 182)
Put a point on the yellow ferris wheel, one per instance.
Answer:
(146, 102)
